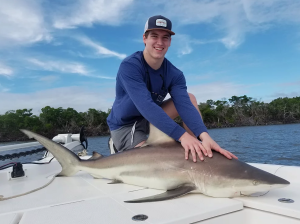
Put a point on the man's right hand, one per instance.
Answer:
(190, 143)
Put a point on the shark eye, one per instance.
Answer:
(255, 182)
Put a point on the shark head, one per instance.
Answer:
(230, 178)
(257, 181)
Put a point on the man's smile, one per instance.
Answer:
(158, 48)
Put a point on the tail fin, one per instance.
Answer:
(68, 160)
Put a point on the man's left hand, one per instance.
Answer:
(209, 144)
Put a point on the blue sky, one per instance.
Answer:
(67, 53)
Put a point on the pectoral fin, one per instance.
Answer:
(170, 194)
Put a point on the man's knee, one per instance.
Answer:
(193, 98)
(170, 109)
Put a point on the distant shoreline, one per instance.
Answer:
(94, 133)
(236, 126)
(238, 111)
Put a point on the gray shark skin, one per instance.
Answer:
(161, 165)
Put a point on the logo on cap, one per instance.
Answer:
(161, 22)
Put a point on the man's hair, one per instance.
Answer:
(147, 34)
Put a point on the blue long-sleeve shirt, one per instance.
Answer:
(134, 101)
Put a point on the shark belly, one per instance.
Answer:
(164, 180)
(159, 177)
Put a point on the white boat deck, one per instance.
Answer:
(83, 199)
(269, 202)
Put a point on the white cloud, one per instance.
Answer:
(226, 16)
(258, 12)
(49, 78)
(88, 12)
(22, 22)
(232, 41)
(60, 66)
(193, 12)
(186, 50)
(5, 70)
(60, 97)
(99, 49)
(234, 19)
(205, 76)
(217, 90)
(66, 67)
(283, 94)
(295, 83)
(183, 44)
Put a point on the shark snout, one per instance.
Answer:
(276, 181)
(283, 182)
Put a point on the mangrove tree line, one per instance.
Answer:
(236, 111)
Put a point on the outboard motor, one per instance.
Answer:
(83, 138)
(74, 142)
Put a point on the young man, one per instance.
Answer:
(143, 81)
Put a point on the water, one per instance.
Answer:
(274, 144)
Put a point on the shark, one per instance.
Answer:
(160, 164)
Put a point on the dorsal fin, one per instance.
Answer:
(157, 137)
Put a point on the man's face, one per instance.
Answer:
(157, 43)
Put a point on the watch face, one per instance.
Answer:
(160, 98)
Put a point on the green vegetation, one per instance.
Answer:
(51, 122)
(246, 111)
(236, 111)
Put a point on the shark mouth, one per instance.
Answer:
(253, 194)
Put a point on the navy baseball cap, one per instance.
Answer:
(159, 23)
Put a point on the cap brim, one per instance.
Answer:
(169, 31)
